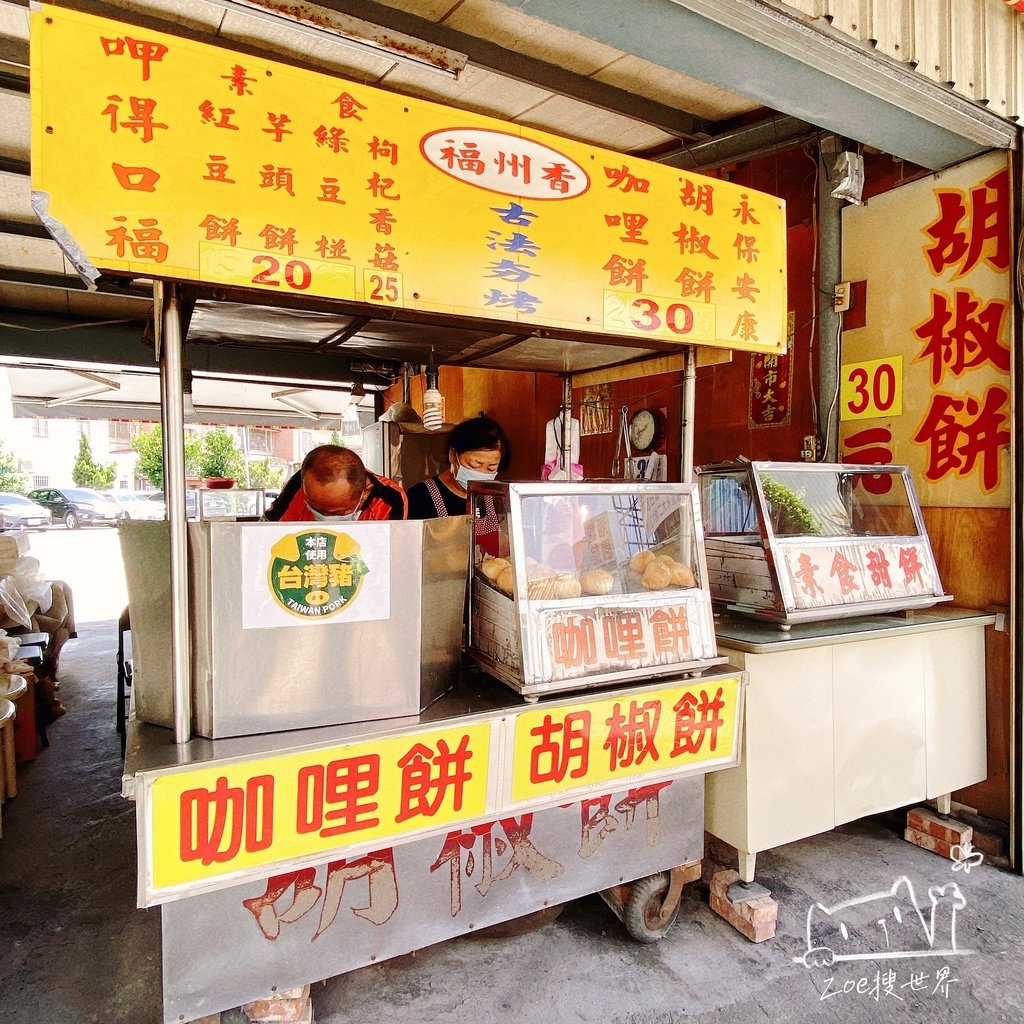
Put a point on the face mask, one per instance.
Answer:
(320, 517)
(464, 475)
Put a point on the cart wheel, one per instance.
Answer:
(642, 912)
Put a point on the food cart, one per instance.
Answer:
(291, 808)
(827, 586)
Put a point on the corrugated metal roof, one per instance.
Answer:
(976, 47)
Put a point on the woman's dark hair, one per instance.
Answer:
(480, 432)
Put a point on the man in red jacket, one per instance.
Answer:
(334, 484)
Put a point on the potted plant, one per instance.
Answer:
(220, 462)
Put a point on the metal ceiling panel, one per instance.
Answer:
(553, 356)
(16, 198)
(35, 254)
(675, 89)
(854, 17)
(894, 29)
(329, 55)
(561, 116)
(480, 91)
(13, 22)
(186, 13)
(15, 124)
(521, 33)
(931, 33)
(967, 28)
(227, 321)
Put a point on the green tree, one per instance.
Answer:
(336, 439)
(149, 446)
(87, 472)
(262, 477)
(10, 478)
(221, 456)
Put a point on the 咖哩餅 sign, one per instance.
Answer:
(171, 158)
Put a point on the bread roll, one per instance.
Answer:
(597, 581)
(492, 567)
(567, 585)
(682, 575)
(640, 561)
(657, 576)
(505, 580)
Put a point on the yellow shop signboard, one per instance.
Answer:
(166, 157)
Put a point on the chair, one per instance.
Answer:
(124, 678)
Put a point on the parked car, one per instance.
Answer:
(78, 506)
(140, 504)
(17, 511)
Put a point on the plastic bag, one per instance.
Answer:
(31, 583)
(14, 605)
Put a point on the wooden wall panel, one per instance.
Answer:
(521, 402)
(972, 549)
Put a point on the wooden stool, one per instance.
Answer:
(7, 739)
(12, 688)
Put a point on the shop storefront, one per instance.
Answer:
(683, 316)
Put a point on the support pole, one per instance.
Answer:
(566, 441)
(829, 321)
(686, 474)
(167, 312)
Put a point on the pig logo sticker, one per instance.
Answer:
(885, 926)
(316, 574)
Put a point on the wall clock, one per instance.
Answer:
(646, 429)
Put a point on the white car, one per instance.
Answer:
(140, 504)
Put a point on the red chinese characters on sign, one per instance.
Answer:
(972, 228)
(585, 642)
(872, 446)
(336, 798)
(631, 734)
(431, 777)
(563, 748)
(145, 51)
(517, 843)
(215, 825)
(965, 433)
(963, 336)
(139, 118)
(858, 573)
(698, 717)
(144, 242)
(270, 910)
(771, 377)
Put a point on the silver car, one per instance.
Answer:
(17, 511)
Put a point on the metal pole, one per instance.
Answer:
(566, 443)
(686, 475)
(167, 310)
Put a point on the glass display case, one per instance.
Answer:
(798, 542)
(232, 503)
(576, 585)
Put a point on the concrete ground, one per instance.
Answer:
(76, 949)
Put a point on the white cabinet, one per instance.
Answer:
(847, 719)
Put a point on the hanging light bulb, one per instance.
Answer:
(433, 402)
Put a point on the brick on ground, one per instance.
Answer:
(754, 919)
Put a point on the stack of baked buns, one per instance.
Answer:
(644, 571)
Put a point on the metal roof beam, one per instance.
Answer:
(786, 64)
(45, 340)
